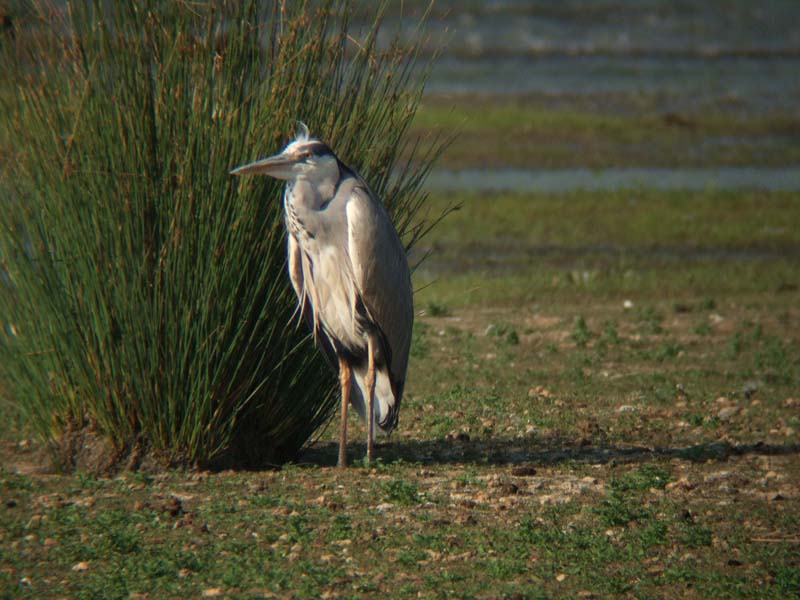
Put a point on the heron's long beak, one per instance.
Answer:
(276, 166)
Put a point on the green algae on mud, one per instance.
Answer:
(504, 249)
(628, 217)
(536, 131)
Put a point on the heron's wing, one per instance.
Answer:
(381, 273)
(298, 266)
(295, 258)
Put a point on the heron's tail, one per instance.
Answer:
(387, 405)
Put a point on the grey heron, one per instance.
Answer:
(349, 270)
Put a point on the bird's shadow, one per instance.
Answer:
(549, 451)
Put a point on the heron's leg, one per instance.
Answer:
(370, 382)
(345, 381)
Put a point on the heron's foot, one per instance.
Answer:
(342, 462)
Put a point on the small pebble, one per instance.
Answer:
(727, 412)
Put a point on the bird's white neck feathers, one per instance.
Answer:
(320, 171)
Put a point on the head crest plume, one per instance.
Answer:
(302, 133)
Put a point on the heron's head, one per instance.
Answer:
(304, 158)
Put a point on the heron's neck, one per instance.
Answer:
(305, 196)
(314, 189)
(303, 204)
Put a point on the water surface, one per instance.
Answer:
(716, 49)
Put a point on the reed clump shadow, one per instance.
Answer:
(550, 451)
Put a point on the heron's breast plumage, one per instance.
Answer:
(328, 282)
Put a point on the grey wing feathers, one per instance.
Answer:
(381, 272)
(295, 258)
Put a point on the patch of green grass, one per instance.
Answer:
(779, 359)
(434, 309)
(693, 535)
(610, 335)
(402, 492)
(707, 304)
(650, 320)
(624, 503)
(525, 132)
(689, 247)
(581, 334)
(641, 280)
(669, 349)
(617, 510)
(420, 346)
(703, 328)
(642, 479)
(663, 220)
(504, 332)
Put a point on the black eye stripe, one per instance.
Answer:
(314, 149)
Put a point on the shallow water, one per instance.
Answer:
(759, 83)
(718, 49)
(708, 27)
(565, 180)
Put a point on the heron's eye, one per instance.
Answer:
(305, 155)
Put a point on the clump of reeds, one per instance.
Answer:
(142, 289)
